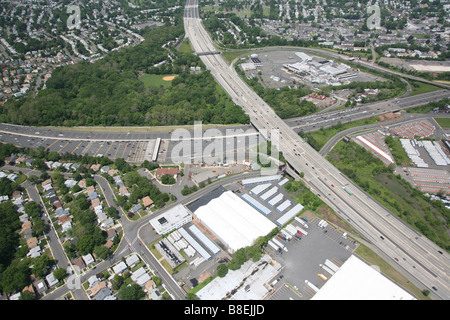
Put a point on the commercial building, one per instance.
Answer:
(261, 179)
(356, 280)
(290, 214)
(171, 219)
(233, 221)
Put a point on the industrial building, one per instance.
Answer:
(255, 204)
(290, 214)
(247, 283)
(172, 219)
(261, 179)
(320, 71)
(236, 223)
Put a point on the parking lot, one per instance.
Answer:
(273, 75)
(134, 146)
(300, 262)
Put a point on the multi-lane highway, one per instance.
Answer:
(423, 260)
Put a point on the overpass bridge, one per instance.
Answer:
(207, 53)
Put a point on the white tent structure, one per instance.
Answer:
(356, 280)
(234, 221)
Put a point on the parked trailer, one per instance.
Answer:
(301, 222)
(301, 231)
(322, 224)
(283, 237)
(278, 243)
(322, 277)
(273, 245)
(312, 286)
(291, 229)
(286, 234)
(326, 269)
(331, 265)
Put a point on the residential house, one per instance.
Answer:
(88, 259)
(32, 242)
(123, 191)
(132, 260)
(169, 171)
(96, 287)
(104, 294)
(79, 263)
(146, 201)
(136, 208)
(40, 286)
(120, 267)
(51, 280)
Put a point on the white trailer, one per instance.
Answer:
(301, 222)
(324, 267)
(291, 229)
(331, 265)
(302, 231)
(323, 224)
(278, 243)
(273, 245)
(312, 286)
(285, 233)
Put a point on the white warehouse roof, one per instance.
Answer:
(356, 280)
(171, 219)
(234, 221)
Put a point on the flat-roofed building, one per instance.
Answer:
(172, 219)
(233, 221)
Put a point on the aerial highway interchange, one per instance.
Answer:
(391, 237)
(415, 253)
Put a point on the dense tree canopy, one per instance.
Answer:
(109, 92)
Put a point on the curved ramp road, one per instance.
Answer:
(408, 249)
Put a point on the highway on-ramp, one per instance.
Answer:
(422, 259)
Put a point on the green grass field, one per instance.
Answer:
(420, 87)
(443, 122)
(155, 80)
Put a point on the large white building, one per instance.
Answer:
(234, 221)
(172, 219)
(356, 280)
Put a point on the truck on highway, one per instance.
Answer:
(348, 191)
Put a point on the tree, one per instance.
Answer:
(60, 273)
(15, 277)
(38, 226)
(102, 252)
(86, 244)
(131, 292)
(40, 265)
(222, 270)
(112, 212)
